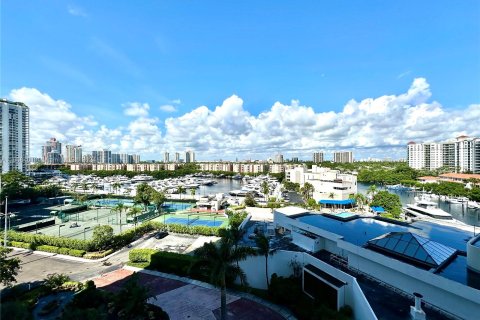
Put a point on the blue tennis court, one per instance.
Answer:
(176, 206)
(193, 221)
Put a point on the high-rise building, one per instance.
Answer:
(73, 154)
(105, 156)
(52, 152)
(116, 158)
(136, 158)
(318, 157)
(343, 156)
(87, 158)
(460, 155)
(166, 157)
(14, 136)
(177, 157)
(189, 156)
(278, 158)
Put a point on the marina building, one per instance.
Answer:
(328, 184)
(14, 136)
(318, 157)
(459, 155)
(343, 156)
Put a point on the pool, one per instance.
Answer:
(359, 231)
(194, 221)
(176, 206)
(110, 202)
(345, 215)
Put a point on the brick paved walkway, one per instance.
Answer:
(188, 301)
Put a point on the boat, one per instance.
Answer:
(237, 177)
(452, 200)
(473, 205)
(428, 209)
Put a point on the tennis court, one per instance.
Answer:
(194, 221)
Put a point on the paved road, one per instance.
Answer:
(35, 267)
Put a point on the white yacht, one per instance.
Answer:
(429, 209)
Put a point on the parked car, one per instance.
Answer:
(161, 235)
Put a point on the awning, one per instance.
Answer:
(378, 209)
(338, 202)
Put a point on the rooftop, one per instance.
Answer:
(460, 175)
(291, 211)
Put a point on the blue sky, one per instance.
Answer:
(99, 57)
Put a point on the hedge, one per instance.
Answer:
(76, 253)
(42, 239)
(97, 255)
(141, 255)
(23, 245)
(46, 248)
(168, 262)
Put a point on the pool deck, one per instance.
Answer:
(189, 299)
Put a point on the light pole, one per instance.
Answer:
(84, 230)
(6, 225)
(59, 226)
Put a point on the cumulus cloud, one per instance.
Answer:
(168, 108)
(136, 109)
(373, 127)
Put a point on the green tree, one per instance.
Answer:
(250, 200)
(16, 185)
(134, 211)
(181, 190)
(265, 189)
(389, 201)
(159, 199)
(116, 186)
(8, 267)
(219, 260)
(263, 246)
(120, 207)
(307, 190)
(131, 301)
(102, 237)
(144, 194)
(192, 192)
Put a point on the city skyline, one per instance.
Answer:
(339, 78)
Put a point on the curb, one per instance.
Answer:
(280, 310)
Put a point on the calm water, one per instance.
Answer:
(223, 186)
(459, 212)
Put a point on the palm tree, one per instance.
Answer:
(219, 259)
(119, 208)
(181, 190)
(116, 186)
(192, 192)
(265, 189)
(84, 186)
(372, 190)
(307, 190)
(331, 195)
(263, 246)
(133, 212)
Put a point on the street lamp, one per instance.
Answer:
(59, 226)
(84, 230)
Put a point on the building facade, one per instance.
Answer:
(318, 157)
(189, 156)
(52, 152)
(328, 184)
(343, 156)
(278, 158)
(73, 154)
(166, 157)
(14, 136)
(459, 155)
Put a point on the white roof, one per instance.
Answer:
(290, 211)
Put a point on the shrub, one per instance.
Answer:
(141, 255)
(102, 237)
(76, 253)
(72, 285)
(23, 245)
(46, 248)
(55, 281)
(97, 255)
(170, 262)
(65, 251)
(42, 239)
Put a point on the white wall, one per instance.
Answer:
(473, 254)
(446, 294)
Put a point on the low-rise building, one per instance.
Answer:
(327, 183)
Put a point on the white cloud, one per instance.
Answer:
(373, 127)
(168, 108)
(136, 109)
(76, 11)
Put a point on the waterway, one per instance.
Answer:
(223, 185)
(458, 211)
